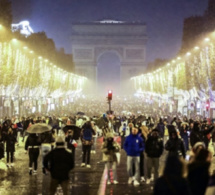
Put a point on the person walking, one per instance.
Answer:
(59, 162)
(109, 149)
(154, 149)
(32, 145)
(133, 146)
(10, 147)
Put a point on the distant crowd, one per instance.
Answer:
(145, 137)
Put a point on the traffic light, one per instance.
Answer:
(109, 95)
(207, 105)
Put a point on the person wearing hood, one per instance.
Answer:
(154, 149)
(133, 146)
(199, 136)
(198, 172)
(175, 145)
(59, 162)
(172, 181)
(196, 148)
(109, 149)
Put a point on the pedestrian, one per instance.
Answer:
(161, 127)
(10, 146)
(198, 172)
(133, 146)
(197, 135)
(154, 150)
(196, 148)
(71, 143)
(175, 145)
(47, 140)
(109, 149)
(97, 131)
(172, 181)
(87, 140)
(184, 134)
(124, 131)
(144, 135)
(59, 162)
(32, 145)
(1, 144)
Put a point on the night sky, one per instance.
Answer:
(164, 19)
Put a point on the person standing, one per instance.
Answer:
(10, 147)
(87, 140)
(144, 134)
(175, 145)
(32, 145)
(184, 134)
(124, 131)
(133, 146)
(198, 172)
(197, 135)
(46, 144)
(109, 149)
(172, 182)
(154, 149)
(71, 143)
(59, 162)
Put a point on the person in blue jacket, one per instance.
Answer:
(133, 146)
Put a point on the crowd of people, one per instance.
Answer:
(145, 138)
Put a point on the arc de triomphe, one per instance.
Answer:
(126, 40)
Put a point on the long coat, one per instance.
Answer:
(10, 142)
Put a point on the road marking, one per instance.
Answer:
(102, 186)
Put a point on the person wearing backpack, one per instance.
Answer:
(87, 141)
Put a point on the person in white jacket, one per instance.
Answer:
(124, 131)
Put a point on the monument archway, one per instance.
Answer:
(108, 73)
(91, 40)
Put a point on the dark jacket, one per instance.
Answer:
(47, 137)
(154, 147)
(171, 186)
(198, 177)
(69, 140)
(134, 145)
(10, 142)
(32, 141)
(175, 147)
(199, 136)
(172, 182)
(59, 162)
(161, 128)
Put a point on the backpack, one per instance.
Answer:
(87, 134)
